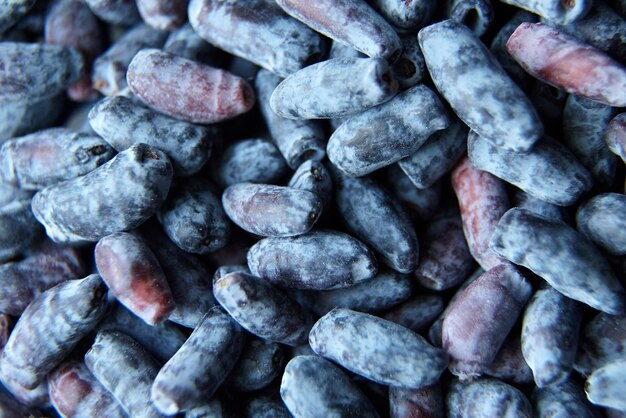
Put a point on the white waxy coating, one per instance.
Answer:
(480, 92)
(212, 409)
(498, 47)
(550, 336)
(19, 229)
(509, 365)
(24, 117)
(405, 16)
(422, 202)
(118, 195)
(603, 342)
(32, 72)
(486, 398)
(386, 290)
(378, 219)
(314, 177)
(585, 123)
(186, 43)
(445, 260)
(318, 260)
(250, 160)
(261, 362)
(33, 397)
(557, 11)
(615, 136)
(416, 403)
(258, 31)
(603, 219)
(523, 200)
(262, 309)
(115, 12)
(410, 69)
(483, 199)
(269, 210)
(10, 194)
(193, 217)
(297, 140)
(339, 50)
(12, 10)
(334, 88)
(122, 123)
(387, 133)
(126, 370)
(312, 387)
(437, 156)
(477, 15)
(75, 392)
(417, 313)
(188, 276)
(606, 386)
(193, 374)
(162, 340)
(377, 349)
(21, 281)
(50, 156)
(549, 171)
(163, 15)
(353, 23)
(265, 407)
(562, 401)
(49, 329)
(435, 330)
(561, 256)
